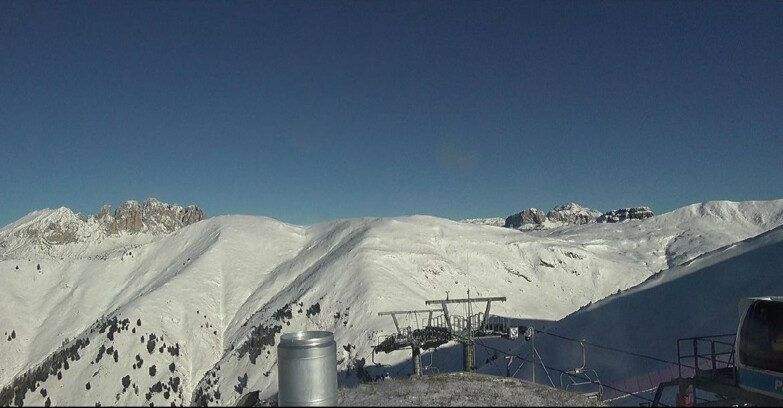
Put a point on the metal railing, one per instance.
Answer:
(711, 356)
(460, 323)
(437, 331)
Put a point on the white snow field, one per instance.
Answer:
(698, 298)
(205, 305)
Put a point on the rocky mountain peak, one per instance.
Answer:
(623, 214)
(531, 216)
(570, 206)
(104, 212)
(573, 213)
(45, 228)
(568, 213)
(128, 217)
(153, 216)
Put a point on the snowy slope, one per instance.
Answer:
(40, 233)
(682, 234)
(699, 298)
(214, 297)
(61, 233)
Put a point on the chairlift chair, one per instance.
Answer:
(586, 375)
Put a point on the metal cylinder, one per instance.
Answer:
(469, 356)
(416, 360)
(307, 369)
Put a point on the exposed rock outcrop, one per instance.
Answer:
(46, 229)
(573, 213)
(106, 220)
(623, 214)
(61, 226)
(154, 216)
(531, 216)
(128, 217)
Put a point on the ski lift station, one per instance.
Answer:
(735, 369)
(739, 369)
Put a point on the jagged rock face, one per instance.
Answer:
(623, 214)
(61, 227)
(154, 216)
(106, 220)
(167, 218)
(573, 213)
(46, 229)
(128, 217)
(527, 217)
(191, 214)
(59, 234)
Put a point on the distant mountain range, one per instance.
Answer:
(167, 306)
(561, 215)
(46, 231)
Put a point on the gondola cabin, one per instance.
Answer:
(759, 346)
(739, 369)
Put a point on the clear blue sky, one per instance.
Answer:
(309, 111)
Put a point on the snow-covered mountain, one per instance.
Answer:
(697, 298)
(562, 215)
(61, 232)
(624, 214)
(193, 316)
(572, 213)
(526, 219)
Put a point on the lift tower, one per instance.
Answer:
(414, 338)
(465, 329)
